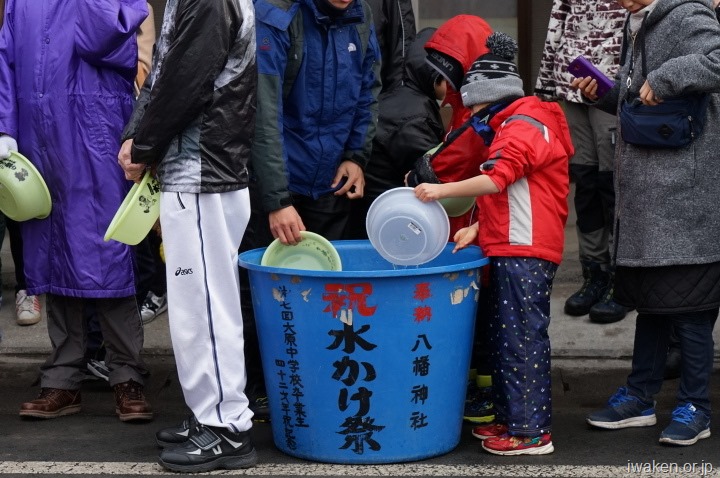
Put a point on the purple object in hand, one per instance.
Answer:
(580, 67)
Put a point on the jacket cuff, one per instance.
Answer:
(422, 172)
(356, 158)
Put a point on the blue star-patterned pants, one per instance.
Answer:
(519, 320)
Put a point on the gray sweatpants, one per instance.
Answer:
(122, 331)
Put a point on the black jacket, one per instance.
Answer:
(409, 123)
(395, 27)
(195, 116)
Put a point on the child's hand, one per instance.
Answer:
(465, 237)
(427, 192)
(587, 86)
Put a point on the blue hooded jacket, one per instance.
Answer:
(329, 112)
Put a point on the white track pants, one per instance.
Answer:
(201, 236)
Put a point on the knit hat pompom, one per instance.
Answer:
(502, 45)
(493, 77)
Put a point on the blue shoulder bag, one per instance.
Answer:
(674, 123)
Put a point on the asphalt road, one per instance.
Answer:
(95, 443)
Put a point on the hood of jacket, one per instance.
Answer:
(418, 73)
(463, 38)
(663, 7)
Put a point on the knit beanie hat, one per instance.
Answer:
(447, 66)
(493, 76)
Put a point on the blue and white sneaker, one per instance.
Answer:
(623, 411)
(688, 425)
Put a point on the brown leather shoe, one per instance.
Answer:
(52, 403)
(130, 403)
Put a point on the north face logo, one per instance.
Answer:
(352, 47)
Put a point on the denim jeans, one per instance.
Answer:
(652, 337)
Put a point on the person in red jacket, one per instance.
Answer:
(450, 51)
(522, 194)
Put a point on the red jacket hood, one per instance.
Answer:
(463, 38)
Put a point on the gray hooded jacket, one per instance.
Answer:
(668, 200)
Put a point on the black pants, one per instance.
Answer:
(595, 205)
(652, 334)
(16, 249)
(150, 267)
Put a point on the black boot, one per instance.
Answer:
(607, 310)
(594, 286)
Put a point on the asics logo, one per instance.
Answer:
(183, 272)
(235, 444)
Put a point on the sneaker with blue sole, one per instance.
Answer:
(623, 411)
(688, 425)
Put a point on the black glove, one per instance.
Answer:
(422, 172)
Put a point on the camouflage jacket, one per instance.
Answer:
(578, 27)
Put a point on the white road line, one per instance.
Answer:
(311, 469)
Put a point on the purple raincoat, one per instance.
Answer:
(66, 91)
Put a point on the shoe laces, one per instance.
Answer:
(50, 393)
(620, 397)
(609, 293)
(685, 414)
(27, 303)
(53, 394)
(130, 390)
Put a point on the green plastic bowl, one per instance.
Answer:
(313, 252)
(137, 213)
(455, 207)
(23, 192)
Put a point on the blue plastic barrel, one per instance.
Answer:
(368, 364)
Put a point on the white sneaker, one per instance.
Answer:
(153, 306)
(27, 308)
(98, 369)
